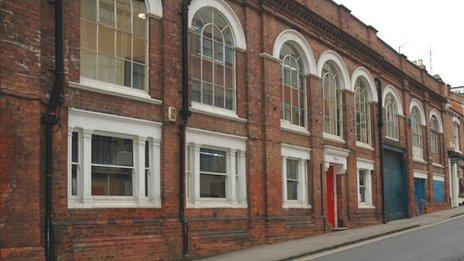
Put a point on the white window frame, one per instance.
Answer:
(456, 134)
(368, 167)
(154, 9)
(87, 123)
(417, 132)
(235, 148)
(335, 132)
(391, 127)
(302, 155)
(361, 88)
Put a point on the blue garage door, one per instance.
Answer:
(439, 191)
(395, 186)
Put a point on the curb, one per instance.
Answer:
(457, 215)
(318, 251)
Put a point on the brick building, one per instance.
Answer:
(299, 120)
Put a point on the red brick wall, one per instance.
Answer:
(26, 53)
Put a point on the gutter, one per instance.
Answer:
(184, 115)
(50, 119)
(378, 84)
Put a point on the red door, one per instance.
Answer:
(330, 196)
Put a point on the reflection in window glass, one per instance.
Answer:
(120, 54)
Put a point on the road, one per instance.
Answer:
(443, 241)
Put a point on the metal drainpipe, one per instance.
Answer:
(324, 218)
(378, 82)
(185, 113)
(50, 119)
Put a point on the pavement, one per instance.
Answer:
(293, 249)
(442, 241)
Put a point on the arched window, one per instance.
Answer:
(332, 100)
(293, 86)
(417, 134)
(456, 136)
(363, 121)
(391, 117)
(114, 42)
(213, 60)
(435, 135)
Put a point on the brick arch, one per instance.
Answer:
(366, 76)
(228, 13)
(154, 8)
(302, 45)
(337, 61)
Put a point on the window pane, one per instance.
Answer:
(196, 91)
(207, 93)
(107, 12)
(88, 35)
(123, 45)
(89, 10)
(124, 19)
(139, 50)
(207, 48)
(219, 74)
(229, 56)
(207, 71)
(219, 96)
(106, 40)
(88, 64)
(292, 190)
(106, 71)
(229, 78)
(229, 99)
(108, 181)
(362, 193)
(147, 178)
(112, 151)
(123, 72)
(74, 180)
(75, 147)
(212, 186)
(124, 2)
(212, 161)
(196, 67)
(139, 76)
(218, 52)
(292, 169)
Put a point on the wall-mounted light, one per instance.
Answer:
(141, 16)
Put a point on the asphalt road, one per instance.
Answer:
(443, 241)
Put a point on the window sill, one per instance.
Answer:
(438, 165)
(364, 145)
(365, 206)
(215, 111)
(216, 203)
(296, 204)
(418, 160)
(392, 139)
(287, 126)
(114, 90)
(331, 137)
(112, 202)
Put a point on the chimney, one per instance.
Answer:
(420, 63)
(438, 77)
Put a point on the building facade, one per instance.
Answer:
(301, 120)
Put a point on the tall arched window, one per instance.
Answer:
(363, 121)
(213, 60)
(114, 42)
(435, 135)
(332, 100)
(293, 86)
(417, 134)
(456, 136)
(391, 117)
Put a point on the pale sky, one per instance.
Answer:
(419, 25)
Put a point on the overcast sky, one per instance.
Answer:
(417, 26)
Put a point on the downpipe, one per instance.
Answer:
(378, 84)
(185, 114)
(50, 119)
(324, 218)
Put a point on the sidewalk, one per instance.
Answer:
(316, 244)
